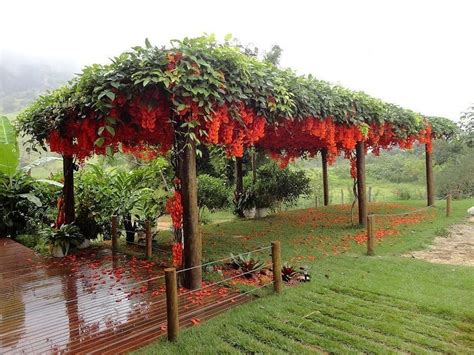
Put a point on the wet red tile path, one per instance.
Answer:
(95, 301)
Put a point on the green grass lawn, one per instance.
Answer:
(354, 303)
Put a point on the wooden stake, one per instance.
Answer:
(317, 201)
(448, 206)
(148, 240)
(360, 153)
(429, 177)
(324, 158)
(370, 194)
(276, 260)
(172, 303)
(370, 234)
(114, 232)
(342, 196)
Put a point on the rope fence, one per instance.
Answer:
(371, 222)
(173, 318)
(224, 259)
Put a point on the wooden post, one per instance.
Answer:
(448, 205)
(370, 234)
(276, 260)
(68, 189)
(253, 156)
(362, 198)
(239, 181)
(370, 194)
(148, 240)
(317, 201)
(342, 196)
(429, 177)
(192, 235)
(324, 158)
(114, 232)
(172, 304)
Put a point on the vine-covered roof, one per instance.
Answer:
(217, 93)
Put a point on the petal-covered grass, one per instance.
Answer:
(387, 303)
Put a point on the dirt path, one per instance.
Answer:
(457, 248)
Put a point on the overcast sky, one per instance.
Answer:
(418, 54)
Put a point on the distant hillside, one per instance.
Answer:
(23, 79)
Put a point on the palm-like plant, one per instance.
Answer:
(246, 263)
(288, 272)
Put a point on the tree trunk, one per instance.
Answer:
(429, 178)
(324, 158)
(68, 189)
(254, 166)
(192, 235)
(129, 228)
(361, 194)
(239, 183)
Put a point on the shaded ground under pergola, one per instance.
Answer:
(93, 302)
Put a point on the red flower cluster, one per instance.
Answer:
(144, 121)
(177, 251)
(61, 213)
(233, 133)
(140, 151)
(292, 139)
(140, 123)
(174, 208)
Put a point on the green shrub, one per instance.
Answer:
(25, 205)
(457, 177)
(275, 185)
(102, 193)
(33, 241)
(212, 193)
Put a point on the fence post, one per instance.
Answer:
(448, 205)
(276, 260)
(342, 196)
(114, 232)
(148, 240)
(370, 234)
(317, 201)
(171, 303)
(370, 193)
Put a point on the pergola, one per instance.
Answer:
(199, 91)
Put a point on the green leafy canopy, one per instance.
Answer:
(209, 73)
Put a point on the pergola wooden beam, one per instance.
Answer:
(239, 181)
(192, 234)
(429, 177)
(361, 193)
(68, 189)
(324, 159)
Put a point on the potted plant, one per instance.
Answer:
(246, 203)
(60, 239)
(264, 198)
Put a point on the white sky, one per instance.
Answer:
(418, 54)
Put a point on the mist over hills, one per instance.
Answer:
(23, 79)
